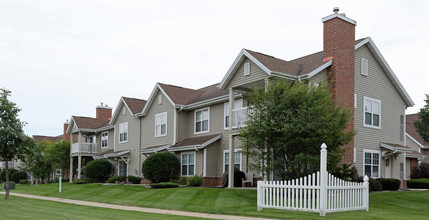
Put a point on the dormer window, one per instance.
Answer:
(247, 68)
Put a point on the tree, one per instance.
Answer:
(422, 124)
(11, 133)
(36, 162)
(58, 154)
(288, 122)
(161, 167)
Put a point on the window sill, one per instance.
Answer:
(161, 136)
(373, 127)
(201, 132)
(121, 142)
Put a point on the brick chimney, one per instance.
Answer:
(65, 135)
(339, 45)
(103, 111)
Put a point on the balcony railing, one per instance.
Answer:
(239, 117)
(89, 148)
(3, 164)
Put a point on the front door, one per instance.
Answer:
(388, 168)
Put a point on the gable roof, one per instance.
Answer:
(195, 143)
(87, 123)
(133, 105)
(412, 131)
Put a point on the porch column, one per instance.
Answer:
(71, 170)
(231, 141)
(79, 165)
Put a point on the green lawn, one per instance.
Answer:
(23, 208)
(390, 205)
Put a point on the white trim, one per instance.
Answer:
(340, 16)
(126, 168)
(174, 126)
(379, 117)
(235, 151)
(246, 68)
(118, 107)
(379, 162)
(107, 139)
(224, 115)
(154, 150)
(318, 69)
(396, 149)
(151, 99)
(415, 141)
(195, 163)
(195, 120)
(114, 138)
(205, 163)
(123, 125)
(159, 99)
(387, 69)
(354, 154)
(166, 124)
(195, 147)
(364, 66)
(356, 100)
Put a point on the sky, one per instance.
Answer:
(62, 58)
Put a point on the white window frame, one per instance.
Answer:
(187, 165)
(123, 129)
(166, 124)
(195, 121)
(372, 117)
(246, 68)
(235, 151)
(379, 162)
(105, 137)
(126, 169)
(124, 111)
(159, 99)
(364, 66)
(226, 111)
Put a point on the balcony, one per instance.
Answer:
(3, 164)
(87, 148)
(239, 117)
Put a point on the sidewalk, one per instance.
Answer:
(133, 208)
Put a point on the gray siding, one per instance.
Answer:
(377, 86)
(240, 79)
(414, 146)
(320, 77)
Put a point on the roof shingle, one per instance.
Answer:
(135, 105)
(90, 123)
(412, 131)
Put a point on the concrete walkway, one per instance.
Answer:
(133, 208)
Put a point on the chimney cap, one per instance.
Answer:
(340, 16)
(336, 10)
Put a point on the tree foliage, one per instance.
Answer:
(58, 154)
(98, 170)
(161, 167)
(287, 125)
(35, 161)
(422, 124)
(11, 133)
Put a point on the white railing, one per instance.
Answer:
(319, 192)
(239, 117)
(90, 148)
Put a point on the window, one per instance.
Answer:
(247, 68)
(188, 164)
(364, 66)
(237, 159)
(123, 132)
(372, 111)
(58, 172)
(122, 168)
(161, 124)
(401, 128)
(89, 139)
(124, 111)
(202, 120)
(372, 163)
(237, 104)
(160, 99)
(104, 139)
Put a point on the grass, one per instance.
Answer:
(388, 205)
(24, 208)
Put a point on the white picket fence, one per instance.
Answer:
(319, 192)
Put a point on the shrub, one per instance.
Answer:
(56, 180)
(24, 182)
(195, 181)
(418, 183)
(374, 185)
(82, 181)
(18, 175)
(98, 170)
(164, 185)
(120, 178)
(346, 172)
(161, 167)
(183, 180)
(134, 179)
(3, 174)
(420, 171)
(389, 183)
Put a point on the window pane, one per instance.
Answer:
(198, 116)
(376, 108)
(368, 106)
(163, 129)
(375, 159)
(191, 158)
(125, 136)
(121, 137)
(226, 109)
(191, 170)
(158, 120)
(226, 121)
(184, 170)
(238, 104)
(367, 158)
(237, 158)
(368, 170)
(226, 158)
(376, 121)
(375, 171)
(164, 119)
(205, 114)
(205, 125)
(184, 159)
(368, 118)
(226, 167)
(198, 127)
(237, 166)
(158, 130)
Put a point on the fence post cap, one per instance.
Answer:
(365, 178)
(324, 146)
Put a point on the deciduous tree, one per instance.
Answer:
(422, 124)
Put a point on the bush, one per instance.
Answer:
(82, 181)
(374, 185)
(420, 171)
(418, 183)
(3, 174)
(134, 179)
(161, 167)
(164, 185)
(56, 180)
(183, 180)
(389, 183)
(24, 182)
(195, 181)
(346, 172)
(18, 175)
(98, 170)
(120, 178)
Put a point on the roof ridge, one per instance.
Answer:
(133, 98)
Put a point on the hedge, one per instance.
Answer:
(120, 178)
(134, 179)
(98, 170)
(389, 183)
(81, 181)
(19, 175)
(161, 167)
(3, 174)
(164, 185)
(418, 183)
(195, 181)
(374, 184)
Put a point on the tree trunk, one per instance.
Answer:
(7, 180)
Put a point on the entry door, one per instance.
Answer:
(388, 168)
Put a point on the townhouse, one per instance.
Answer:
(420, 148)
(200, 126)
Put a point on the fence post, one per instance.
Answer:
(323, 174)
(258, 194)
(366, 192)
